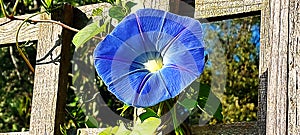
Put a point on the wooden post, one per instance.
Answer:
(51, 79)
(294, 68)
(283, 79)
(276, 122)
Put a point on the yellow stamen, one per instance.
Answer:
(153, 65)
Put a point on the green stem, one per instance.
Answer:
(134, 116)
(3, 9)
(17, 43)
(14, 8)
(160, 108)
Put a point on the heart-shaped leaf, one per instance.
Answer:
(87, 33)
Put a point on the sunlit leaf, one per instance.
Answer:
(47, 3)
(122, 130)
(148, 127)
(97, 11)
(73, 104)
(87, 33)
(110, 131)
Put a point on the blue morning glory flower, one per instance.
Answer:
(150, 56)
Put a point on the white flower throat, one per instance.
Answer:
(153, 65)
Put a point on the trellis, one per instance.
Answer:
(279, 103)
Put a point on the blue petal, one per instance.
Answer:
(153, 90)
(145, 35)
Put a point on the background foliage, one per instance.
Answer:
(235, 44)
(15, 90)
(239, 39)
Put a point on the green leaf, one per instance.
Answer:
(218, 114)
(129, 5)
(72, 104)
(47, 3)
(148, 127)
(204, 91)
(149, 113)
(91, 122)
(106, 131)
(122, 130)
(117, 130)
(87, 33)
(210, 106)
(188, 104)
(97, 11)
(114, 130)
(63, 130)
(117, 12)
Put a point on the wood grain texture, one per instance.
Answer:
(282, 80)
(265, 46)
(156, 4)
(264, 60)
(247, 128)
(213, 8)
(294, 68)
(45, 80)
(89, 131)
(50, 81)
(15, 133)
(8, 30)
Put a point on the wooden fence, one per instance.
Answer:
(279, 103)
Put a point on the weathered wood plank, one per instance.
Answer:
(15, 133)
(265, 46)
(51, 79)
(156, 4)
(264, 60)
(294, 68)
(248, 128)
(277, 93)
(9, 28)
(45, 82)
(89, 131)
(213, 8)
